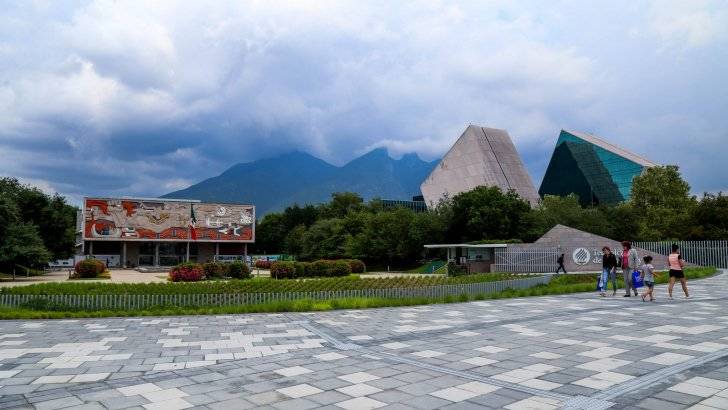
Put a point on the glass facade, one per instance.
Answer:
(417, 206)
(594, 172)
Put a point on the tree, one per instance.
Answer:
(294, 240)
(612, 222)
(270, 234)
(324, 239)
(55, 218)
(488, 213)
(9, 215)
(384, 237)
(709, 219)
(23, 246)
(342, 203)
(662, 200)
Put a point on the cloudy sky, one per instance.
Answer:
(142, 98)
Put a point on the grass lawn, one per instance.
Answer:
(429, 267)
(563, 284)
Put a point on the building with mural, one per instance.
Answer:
(133, 232)
(595, 170)
(480, 157)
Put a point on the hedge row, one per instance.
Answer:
(193, 272)
(321, 268)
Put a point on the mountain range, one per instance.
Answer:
(297, 177)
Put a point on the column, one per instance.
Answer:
(123, 254)
(217, 248)
(187, 258)
(91, 248)
(245, 253)
(156, 253)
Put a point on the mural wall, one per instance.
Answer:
(130, 219)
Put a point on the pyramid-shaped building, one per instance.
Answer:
(595, 170)
(481, 156)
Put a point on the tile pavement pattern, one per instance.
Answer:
(572, 351)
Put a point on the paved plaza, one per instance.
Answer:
(571, 351)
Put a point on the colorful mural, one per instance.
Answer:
(132, 219)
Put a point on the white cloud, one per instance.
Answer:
(688, 24)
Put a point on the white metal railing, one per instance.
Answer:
(525, 260)
(703, 253)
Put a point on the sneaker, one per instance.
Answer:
(643, 298)
(614, 294)
(627, 295)
(652, 300)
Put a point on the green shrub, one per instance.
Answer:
(339, 268)
(320, 268)
(89, 268)
(456, 270)
(282, 270)
(238, 270)
(215, 270)
(302, 269)
(186, 272)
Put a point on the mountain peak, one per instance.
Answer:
(377, 152)
(411, 157)
(272, 184)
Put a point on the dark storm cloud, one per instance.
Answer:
(139, 98)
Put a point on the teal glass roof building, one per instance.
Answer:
(595, 170)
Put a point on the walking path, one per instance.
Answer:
(571, 351)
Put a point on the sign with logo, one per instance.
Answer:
(581, 256)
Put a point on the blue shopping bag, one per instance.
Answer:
(637, 280)
(602, 282)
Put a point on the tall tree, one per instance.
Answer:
(53, 216)
(23, 246)
(342, 203)
(662, 200)
(488, 213)
(324, 239)
(709, 219)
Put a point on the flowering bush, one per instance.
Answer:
(282, 270)
(262, 264)
(186, 272)
(356, 266)
(89, 268)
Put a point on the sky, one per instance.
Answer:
(140, 98)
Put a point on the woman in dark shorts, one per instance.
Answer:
(676, 264)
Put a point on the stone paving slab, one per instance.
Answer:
(540, 353)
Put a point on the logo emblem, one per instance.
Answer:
(581, 256)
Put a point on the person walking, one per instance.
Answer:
(630, 262)
(647, 273)
(560, 261)
(676, 264)
(609, 271)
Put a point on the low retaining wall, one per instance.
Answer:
(97, 302)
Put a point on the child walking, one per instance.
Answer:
(647, 274)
